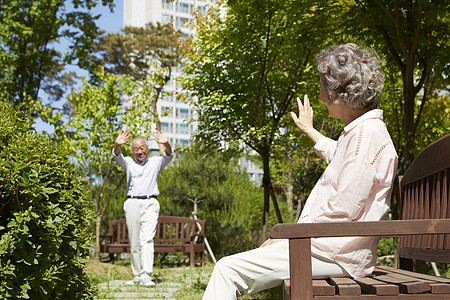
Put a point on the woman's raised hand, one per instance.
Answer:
(304, 120)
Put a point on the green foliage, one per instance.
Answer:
(247, 68)
(432, 125)
(44, 216)
(385, 247)
(139, 51)
(226, 198)
(28, 59)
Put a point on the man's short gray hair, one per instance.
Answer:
(138, 137)
(352, 75)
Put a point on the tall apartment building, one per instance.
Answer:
(175, 125)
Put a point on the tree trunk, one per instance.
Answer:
(156, 115)
(275, 203)
(266, 182)
(268, 192)
(289, 190)
(408, 126)
(97, 238)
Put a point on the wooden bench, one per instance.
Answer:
(424, 233)
(173, 234)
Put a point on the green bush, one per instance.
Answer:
(44, 216)
(385, 247)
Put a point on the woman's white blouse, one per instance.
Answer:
(356, 186)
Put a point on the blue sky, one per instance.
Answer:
(108, 21)
(111, 22)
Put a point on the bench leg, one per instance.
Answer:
(300, 269)
(285, 290)
(192, 258)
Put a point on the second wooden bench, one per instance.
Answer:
(173, 234)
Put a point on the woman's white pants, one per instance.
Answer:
(258, 269)
(142, 217)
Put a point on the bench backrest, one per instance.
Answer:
(118, 230)
(169, 229)
(424, 190)
(177, 229)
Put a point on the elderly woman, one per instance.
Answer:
(355, 186)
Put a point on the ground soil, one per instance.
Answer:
(102, 267)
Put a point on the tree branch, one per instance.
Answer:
(388, 13)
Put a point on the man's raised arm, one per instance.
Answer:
(122, 138)
(163, 140)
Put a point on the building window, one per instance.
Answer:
(166, 96)
(167, 4)
(180, 22)
(202, 9)
(183, 113)
(183, 7)
(165, 127)
(166, 111)
(182, 128)
(166, 19)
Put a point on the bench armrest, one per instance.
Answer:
(389, 228)
(108, 237)
(194, 235)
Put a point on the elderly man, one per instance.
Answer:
(141, 207)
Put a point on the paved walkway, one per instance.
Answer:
(171, 281)
(117, 289)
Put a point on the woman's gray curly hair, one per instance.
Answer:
(351, 75)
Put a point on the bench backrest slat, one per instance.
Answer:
(424, 193)
(169, 229)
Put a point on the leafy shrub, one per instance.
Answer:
(385, 247)
(44, 214)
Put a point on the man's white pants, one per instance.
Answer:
(142, 218)
(259, 269)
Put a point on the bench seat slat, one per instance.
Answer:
(407, 285)
(439, 285)
(346, 286)
(373, 286)
(387, 282)
(413, 274)
(322, 287)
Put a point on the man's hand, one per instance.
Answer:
(163, 142)
(123, 138)
(160, 137)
